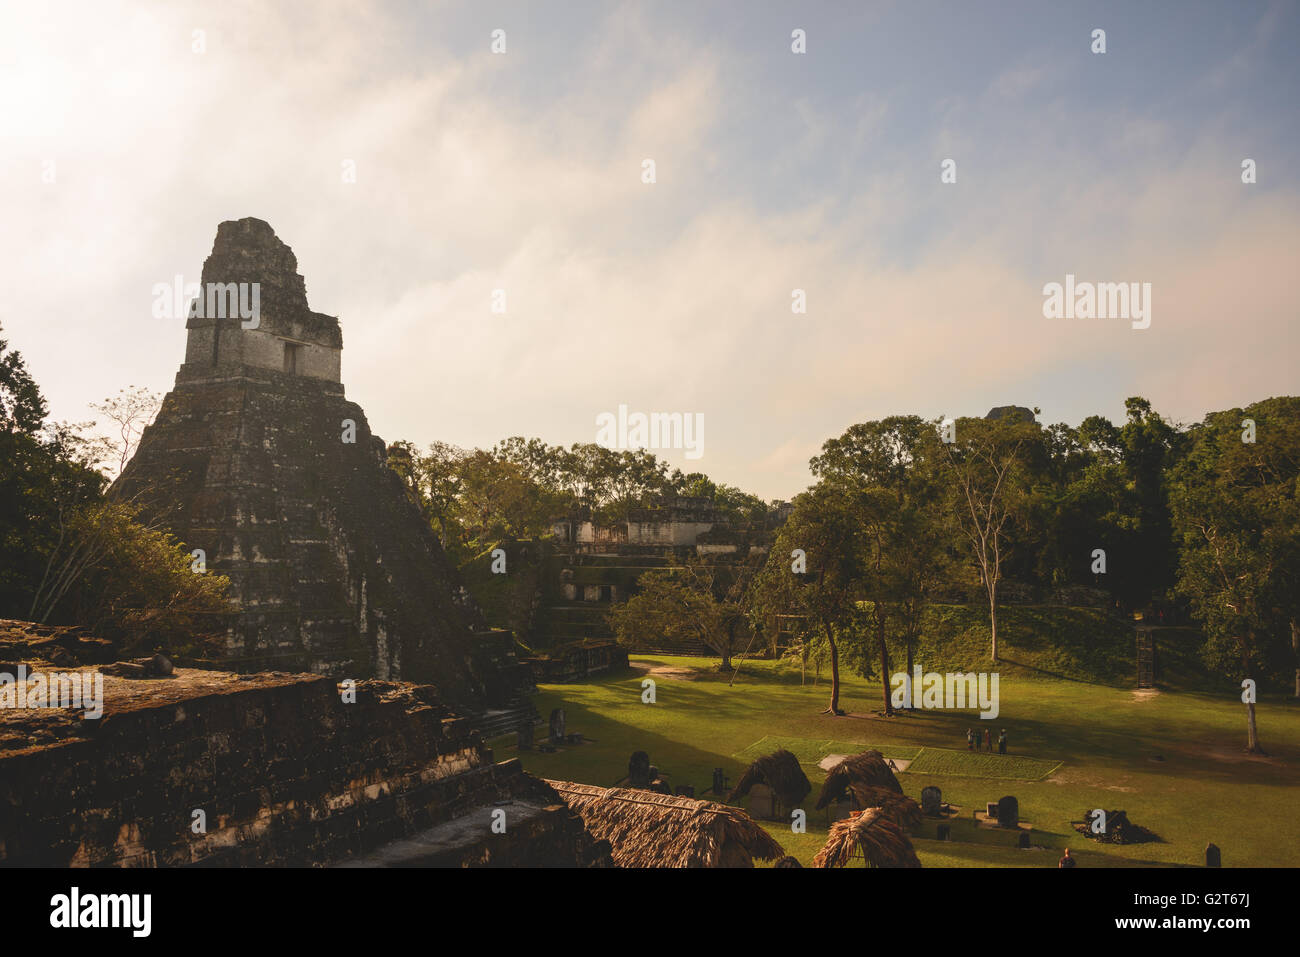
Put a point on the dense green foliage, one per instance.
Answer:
(1199, 524)
(70, 556)
(1138, 517)
(691, 602)
(520, 486)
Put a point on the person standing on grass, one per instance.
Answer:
(1002, 742)
(988, 740)
(1066, 861)
(970, 739)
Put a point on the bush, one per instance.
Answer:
(130, 583)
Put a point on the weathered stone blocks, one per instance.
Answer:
(333, 569)
(395, 763)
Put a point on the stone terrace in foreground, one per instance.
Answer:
(284, 771)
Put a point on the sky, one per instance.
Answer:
(128, 131)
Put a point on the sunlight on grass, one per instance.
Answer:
(977, 764)
(811, 752)
(1173, 761)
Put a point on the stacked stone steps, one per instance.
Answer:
(565, 625)
(494, 724)
(622, 577)
(315, 570)
(616, 560)
(332, 641)
(590, 613)
(322, 603)
(332, 566)
(693, 648)
(568, 618)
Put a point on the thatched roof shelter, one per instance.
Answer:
(875, 835)
(862, 773)
(905, 812)
(781, 772)
(645, 829)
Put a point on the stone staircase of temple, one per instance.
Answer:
(498, 721)
(579, 590)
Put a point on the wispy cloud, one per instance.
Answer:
(523, 172)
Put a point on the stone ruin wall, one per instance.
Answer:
(285, 771)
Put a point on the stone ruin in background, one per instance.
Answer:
(333, 569)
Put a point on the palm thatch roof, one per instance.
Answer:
(645, 829)
(868, 769)
(875, 835)
(903, 809)
(781, 772)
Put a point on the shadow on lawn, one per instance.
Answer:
(775, 703)
(1207, 754)
(679, 737)
(1059, 676)
(678, 733)
(1210, 755)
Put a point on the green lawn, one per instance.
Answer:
(1173, 761)
(810, 751)
(981, 764)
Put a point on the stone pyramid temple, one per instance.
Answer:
(258, 459)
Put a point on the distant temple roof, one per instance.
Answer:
(1014, 412)
(248, 251)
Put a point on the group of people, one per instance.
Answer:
(973, 737)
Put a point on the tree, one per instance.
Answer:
(1237, 519)
(733, 505)
(497, 499)
(66, 555)
(1151, 447)
(918, 558)
(887, 472)
(130, 581)
(22, 407)
(682, 604)
(815, 569)
(130, 412)
(874, 509)
(519, 486)
(613, 482)
(1086, 504)
(988, 484)
(45, 473)
(433, 482)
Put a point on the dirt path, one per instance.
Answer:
(664, 671)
